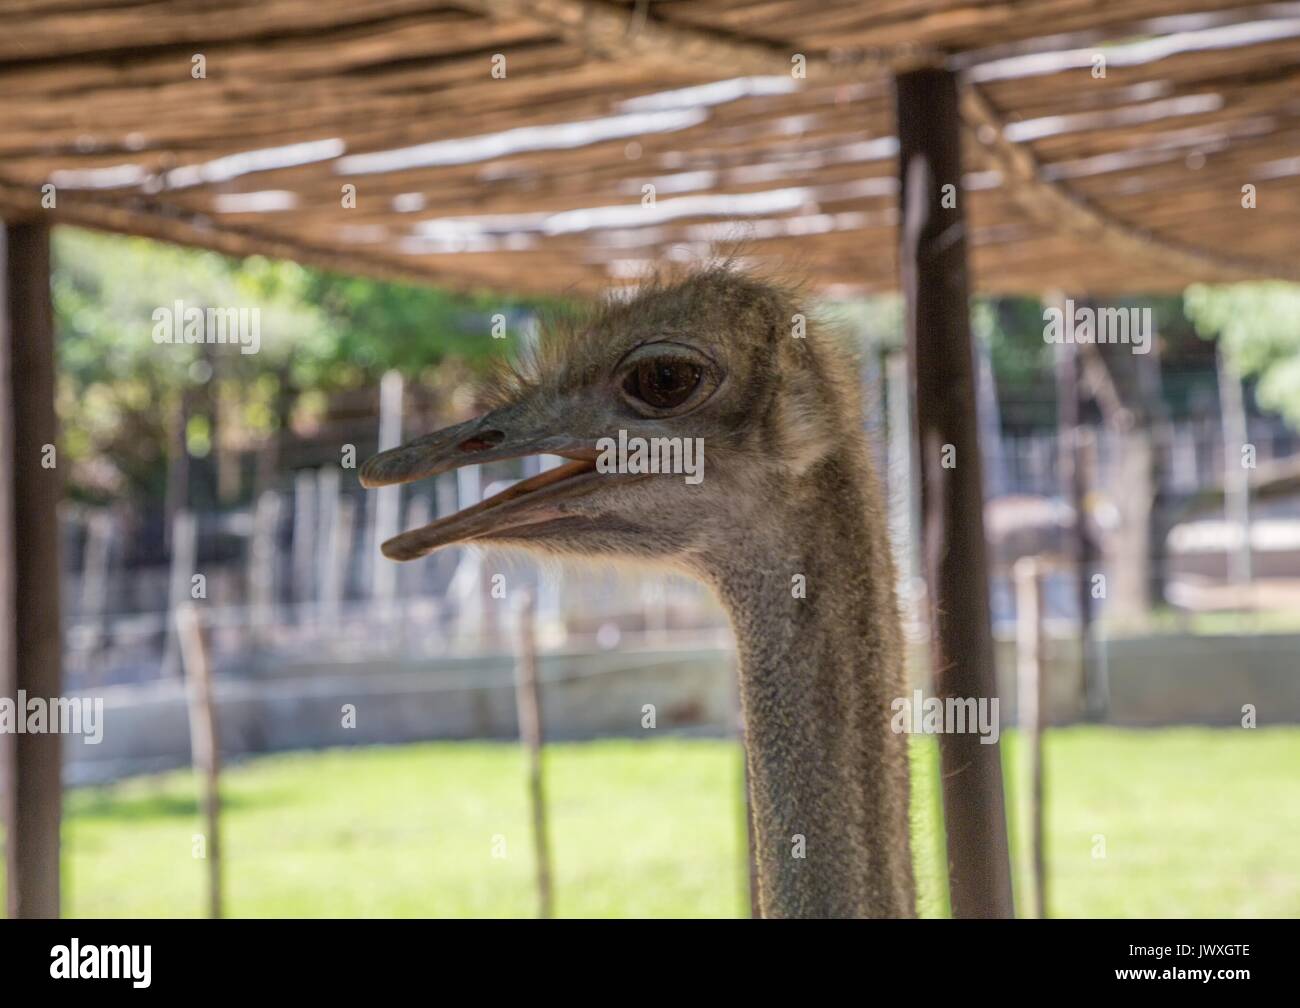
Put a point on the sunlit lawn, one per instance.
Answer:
(1196, 822)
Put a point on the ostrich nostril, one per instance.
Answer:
(478, 442)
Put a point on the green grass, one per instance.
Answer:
(1167, 620)
(1197, 822)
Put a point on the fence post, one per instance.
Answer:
(1031, 705)
(529, 705)
(334, 587)
(1236, 478)
(328, 482)
(183, 560)
(387, 499)
(261, 589)
(205, 743)
(94, 575)
(304, 541)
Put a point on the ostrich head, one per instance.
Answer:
(720, 356)
(787, 498)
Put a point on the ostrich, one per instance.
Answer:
(785, 527)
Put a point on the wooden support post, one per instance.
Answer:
(205, 743)
(932, 260)
(1031, 707)
(529, 705)
(30, 638)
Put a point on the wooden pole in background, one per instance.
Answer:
(1236, 477)
(303, 546)
(1031, 708)
(205, 745)
(1072, 474)
(94, 575)
(528, 702)
(932, 262)
(340, 555)
(387, 500)
(30, 635)
(263, 552)
(184, 558)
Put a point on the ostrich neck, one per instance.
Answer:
(827, 776)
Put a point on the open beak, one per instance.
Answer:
(500, 434)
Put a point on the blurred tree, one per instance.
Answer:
(130, 403)
(1258, 326)
(144, 420)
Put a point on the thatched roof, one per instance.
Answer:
(535, 181)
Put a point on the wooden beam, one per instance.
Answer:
(608, 32)
(1061, 208)
(63, 33)
(932, 264)
(30, 644)
(161, 223)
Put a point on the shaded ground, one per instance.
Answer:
(1196, 822)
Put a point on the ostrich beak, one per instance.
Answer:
(500, 434)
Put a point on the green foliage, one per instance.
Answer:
(1012, 328)
(877, 320)
(381, 325)
(121, 392)
(1258, 327)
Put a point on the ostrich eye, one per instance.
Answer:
(663, 382)
(666, 378)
